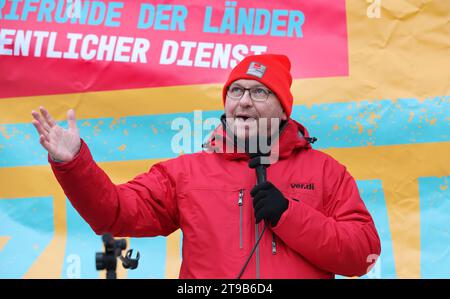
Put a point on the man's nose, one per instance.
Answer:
(246, 99)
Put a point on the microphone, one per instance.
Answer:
(260, 169)
(261, 175)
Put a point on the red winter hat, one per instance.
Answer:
(272, 70)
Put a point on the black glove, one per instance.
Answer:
(268, 203)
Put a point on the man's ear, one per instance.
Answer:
(283, 116)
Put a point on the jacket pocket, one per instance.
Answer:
(306, 196)
(214, 221)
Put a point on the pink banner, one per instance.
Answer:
(52, 47)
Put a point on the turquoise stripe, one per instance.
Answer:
(371, 192)
(383, 122)
(152, 263)
(343, 125)
(29, 224)
(435, 227)
(81, 245)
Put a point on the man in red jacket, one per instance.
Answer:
(307, 220)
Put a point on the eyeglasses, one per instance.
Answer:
(257, 94)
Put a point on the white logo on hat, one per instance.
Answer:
(256, 69)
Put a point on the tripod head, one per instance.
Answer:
(113, 250)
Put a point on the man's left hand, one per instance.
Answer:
(268, 203)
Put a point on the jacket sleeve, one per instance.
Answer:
(144, 206)
(343, 240)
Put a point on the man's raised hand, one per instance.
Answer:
(61, 144)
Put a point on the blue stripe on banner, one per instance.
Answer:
(381, 122)
(344, 125)
(152, 263)
(29, 224)
(373, 196)
(435, 227)
(82, 244)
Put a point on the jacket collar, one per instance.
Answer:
(293, 137)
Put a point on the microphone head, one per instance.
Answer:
(254, 162)
(258, 160)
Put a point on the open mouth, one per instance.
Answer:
(244, 118)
